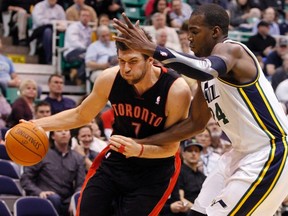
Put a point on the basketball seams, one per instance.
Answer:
(39, 138)
(17, 159)
(12, 135)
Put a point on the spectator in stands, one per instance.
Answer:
(84, 139)
(58, 176)
(42, 109)
(222, 3)
(180, 12)
(161, 37)
(55, 98)
(104, 20)
(5, 110)
(262, 43)
(243, 15)
(184, 42)
(44, 13)
(159, 21)
(283, 25)
(21, 11)
(209, 158)
(73, 12)
(189, 182)
(111, 7)
(281, 73)
(102, 53)
(157, 6)
(219, 141)
(8, 76)
(23, 107)
(270, 16)
(65, 4)
(77, 39)
(275, 58)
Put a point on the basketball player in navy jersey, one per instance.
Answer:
(252, 178)
(146, 100)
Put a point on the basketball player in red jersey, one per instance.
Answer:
(146, 100)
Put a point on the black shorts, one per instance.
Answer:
(137, 190)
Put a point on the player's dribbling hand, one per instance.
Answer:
(125, 145)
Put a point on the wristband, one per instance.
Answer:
(141, 151)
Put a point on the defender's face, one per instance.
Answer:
(133, 66)
(200, 36)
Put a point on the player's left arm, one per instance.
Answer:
(177, 109)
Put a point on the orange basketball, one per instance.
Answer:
(26, 143)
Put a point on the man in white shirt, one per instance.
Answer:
(77, 39)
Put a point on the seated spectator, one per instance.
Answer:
(73, 12)
(44, 13)
(58, 176)
(189, 182)
(219, 140)
(283, 26)
(184, 42)
(243, 15)
(84, 139)
(270, 16)
(21, 11)
(101, 54)
(23, 107)
(157, 6)
(55, 98)
(104, 20)
(275, 58)
(281, 73)
(111, 7)
(180, 12)
(77, 39)
(42, 109)
(5, 110)
(8, 76)
(158, 22)
(209, 158)
(262, 43)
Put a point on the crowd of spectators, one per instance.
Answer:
(88, 40)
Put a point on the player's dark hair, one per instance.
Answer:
(123, 47)
(214, 15)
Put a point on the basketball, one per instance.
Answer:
(26, 143)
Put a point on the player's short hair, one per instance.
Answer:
(123, 47)
(214, 15)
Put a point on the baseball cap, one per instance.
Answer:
(283, 41)
(189, 143)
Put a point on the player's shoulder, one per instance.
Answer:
(109, 73)
(180, 88)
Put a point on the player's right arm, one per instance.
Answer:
(87, 110)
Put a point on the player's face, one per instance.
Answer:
(133, 66)
(200, 36)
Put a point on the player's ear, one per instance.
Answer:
(151, 60)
